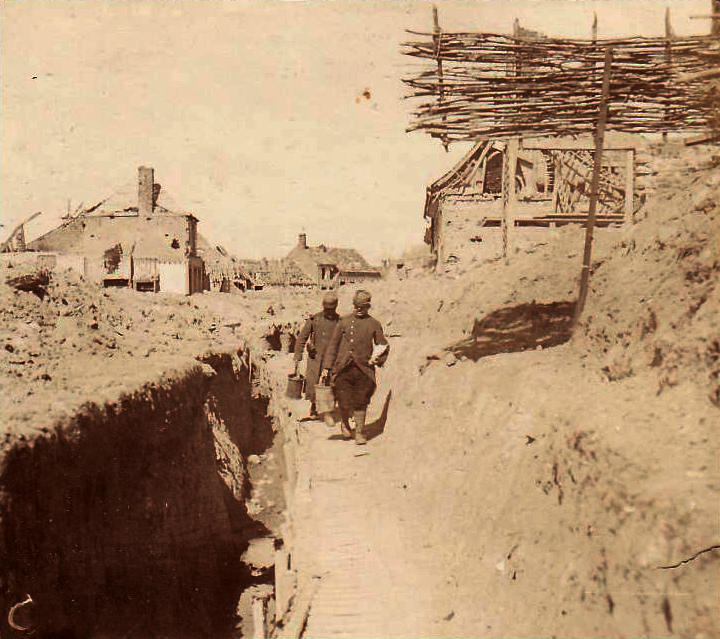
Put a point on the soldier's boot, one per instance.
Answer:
(345, 424)
(359, 426)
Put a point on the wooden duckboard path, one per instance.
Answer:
(344, 543)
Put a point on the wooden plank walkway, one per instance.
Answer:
(337, 537)
(349, 550)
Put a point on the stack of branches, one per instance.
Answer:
(497, 86)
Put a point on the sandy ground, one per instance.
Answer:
(544, 493)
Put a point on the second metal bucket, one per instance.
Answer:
(324, 399)
(295, 386)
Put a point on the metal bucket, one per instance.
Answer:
(324, 399)
(295, 386)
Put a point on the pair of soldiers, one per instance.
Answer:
(343, 351)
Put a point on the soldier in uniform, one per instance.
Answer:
(316, 334)
(350, 361)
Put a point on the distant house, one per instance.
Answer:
(551, 189)
(274, 272)
(135, 237)
(329, 267)
(223, 272)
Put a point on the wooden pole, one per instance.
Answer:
(509, 169)
(597, 166)
(668, 51)
(437, 40)
(594, 27)
(557, 177)
(629, 184)
(508, 192)
(715, 24)
(258, 615)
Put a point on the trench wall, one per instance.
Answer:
(130, 519)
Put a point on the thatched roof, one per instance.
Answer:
(308, 258)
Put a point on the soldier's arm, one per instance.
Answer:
(379, 338)
(332, 350)
(302, 339)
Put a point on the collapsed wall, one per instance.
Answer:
(130, 518)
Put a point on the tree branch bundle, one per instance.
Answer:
(497, 86)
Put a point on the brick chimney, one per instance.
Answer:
(302, 241)
(146, 178)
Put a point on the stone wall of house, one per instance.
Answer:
(106, 243)
(463, 239)
(67, 238)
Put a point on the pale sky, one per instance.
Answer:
(250, 112)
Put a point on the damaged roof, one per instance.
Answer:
(307, 259)
(125, 201)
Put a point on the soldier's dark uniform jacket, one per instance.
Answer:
(316, 333)
(349, 353)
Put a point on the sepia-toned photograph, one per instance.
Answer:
(360, 318)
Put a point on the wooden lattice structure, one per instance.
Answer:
(495, 86)
(573, 174)
(491, 86)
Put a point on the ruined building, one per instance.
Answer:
(331, 267)
(465, 207)
(135, 237)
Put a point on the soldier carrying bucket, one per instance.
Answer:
(357, 347)
(316, 335)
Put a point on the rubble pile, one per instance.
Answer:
(80, 342)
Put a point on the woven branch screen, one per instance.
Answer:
(485, 85)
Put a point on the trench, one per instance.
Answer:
(131, 519)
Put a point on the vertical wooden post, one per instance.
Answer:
(437, 40)
(509, 168)
(594, 27)
(715, 24)
(597, 166)
(284, 582)
(258, 614)
(668, 52)
(629, 184)
(508, 193)
(557, 177)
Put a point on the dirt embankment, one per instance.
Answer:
(81, 343)
(572, 489)
(655, 302)
(129, 517)
(566, 490)
(560, 491)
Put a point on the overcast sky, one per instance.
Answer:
(251, 113)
